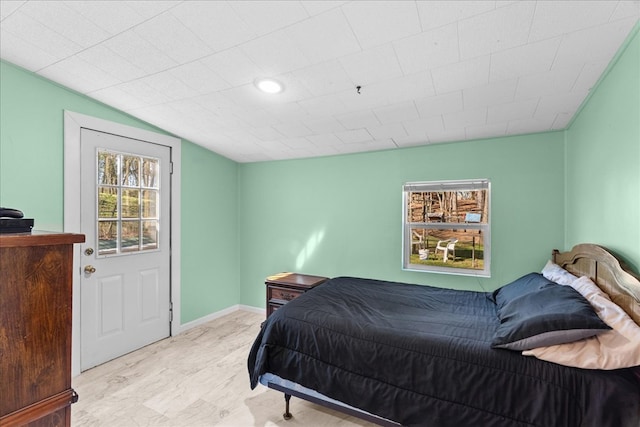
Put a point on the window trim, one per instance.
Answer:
(448, 185)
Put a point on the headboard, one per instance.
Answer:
(607, 271)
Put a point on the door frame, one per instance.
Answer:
(73, 123)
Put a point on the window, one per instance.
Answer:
(128, 202)
(446, 227)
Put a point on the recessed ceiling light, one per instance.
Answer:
(269, 85)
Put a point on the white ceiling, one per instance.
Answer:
(430, 71)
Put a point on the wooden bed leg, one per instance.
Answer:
(287, 415)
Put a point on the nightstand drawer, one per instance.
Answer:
(283, 294)
(271, 308)
(284, 287)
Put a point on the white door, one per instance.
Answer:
(125, 215)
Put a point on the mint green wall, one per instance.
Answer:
(209, 229)
(31, 179)
(342, 215)
(603, 161)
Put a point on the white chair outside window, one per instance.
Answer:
(418, 240)
(447, 246)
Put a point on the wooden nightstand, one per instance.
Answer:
(283, 287)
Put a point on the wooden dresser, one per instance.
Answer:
(35, 328)
(283, 287)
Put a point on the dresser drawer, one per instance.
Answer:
(283, 294)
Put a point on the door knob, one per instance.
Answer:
(89, 269)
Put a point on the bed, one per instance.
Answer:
(402, 354)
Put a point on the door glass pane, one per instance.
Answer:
(130, 236)
(107, 202)
(107, 168)
(130, 203)
(130, 171)
(150, 177)
(107, 237)
(149, 203)
(150, 235)
(128, 192)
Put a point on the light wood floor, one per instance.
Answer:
(198, 378)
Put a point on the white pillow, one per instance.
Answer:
(614, 349)
(557, 274)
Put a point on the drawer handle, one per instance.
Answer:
(287, 297)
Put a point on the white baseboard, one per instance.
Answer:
(252, 309)
(209, 317)
(218, 314)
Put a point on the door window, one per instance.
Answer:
(128, 203)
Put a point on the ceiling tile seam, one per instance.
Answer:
(463, 89)
(355, 36)
(284, 27)
(533, 17)
(422, 30)
(107, 72)
(14, 11)
(97, 43)
(25, 42)
(395, 54)
(148, 75)
(465, 18)
(393, 41)
(45, 23)
(214, 51)
(493, 52)
(577, 77)
(613, 11)
(486, 118)
(302, 2)
(31, 44)
(459, 56)
(584, 65)
(555, 54)
(553, 124)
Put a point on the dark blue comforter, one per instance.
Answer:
(420, 355)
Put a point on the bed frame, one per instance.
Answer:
(604, 268)
(288, 392)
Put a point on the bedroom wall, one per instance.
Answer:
(210, 270)
(603, 161)
(31, 179)
(342, 215)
